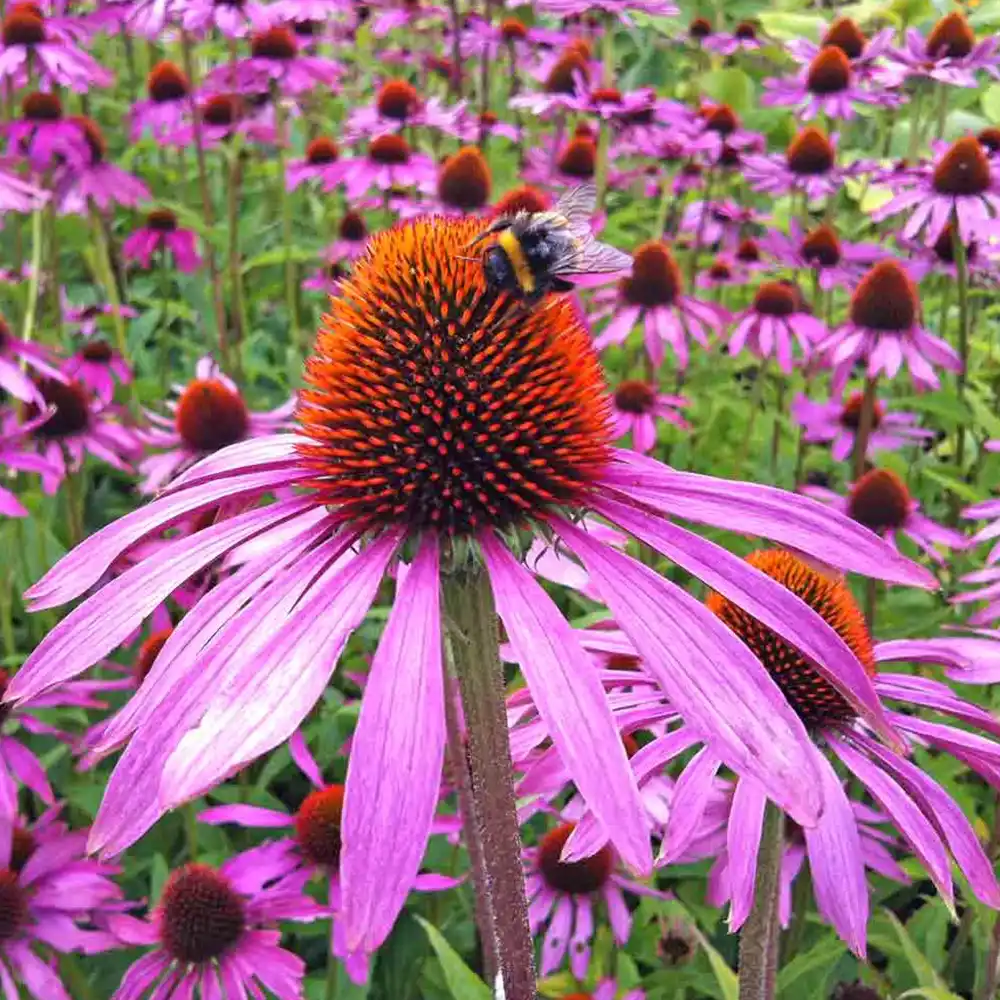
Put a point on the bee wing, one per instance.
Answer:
(592, 257)
(577, 207)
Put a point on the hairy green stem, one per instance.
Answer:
(28, 330)
(473, 637)
(757, 950)
(866, 424)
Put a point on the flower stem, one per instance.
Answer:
(473, 647)
(603, 132)
(208, 212)
(756, 400)
(866, 423)
(285, 206)
(962, 269)
(699, 237)
(757, 952)
(235, 265)
(74, 503)
(332, 977)
(36, 262)
(7, 617)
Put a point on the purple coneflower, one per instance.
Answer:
(161, 233)
(835, 261)
(986, 580)
(809, 164)
(563, 80)
(949, 54)
(163, 112)
(485, 125)
(884, 330)
(314, 842)
(826, 86)
(85, 318)
(981, 257)
(962, 187)
(95, 181)
(320, 155)
(15, 356)
(777, 318)
(635, 408)
(51, 57)
(225, 115)
(97, 365)
(16, 457)
(836, 422)
(573, 164)
(214, 931)
(743, 38)
(653, 295)
(465, 182)
(208, 414)
(232, 18)
(426, 393)
(352, 238)
(563, 895)
(881, 501)
(397, 106)
(45, 136)
(79, 423)
(53, 898)
(866, 54)
(717, 128)
(17, 194)
(618, 9)
(389, 163)
(403, 14)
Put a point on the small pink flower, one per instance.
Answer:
(635, 408)
(161, 233)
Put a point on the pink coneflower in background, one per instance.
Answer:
(361, 477)
(168, 102)
(95, 180)
(653, 296)
(636, 407)
(208, 414)
(881, 501)
(963, 186)
(232, 18)
(79, 424)
(563, 78)
(619, 9)
(827, 86)
(397, 105)
(563, 895)
(225, 115)
(321, 153)
(17, 456)
(16, 355)
(950, 54)
(809, 165)
(352, 238)
(162, 233)
(314, 844)
(835, 261)
(98, 366)
(54, 897)
(390, 162)
(17, 194)
(986, 580)
(52, 57)
(868, 56)
(86, 318)
(777, 319)
(213, 930)
(884, 330)
(743, 38)
(573, 164)
(836, 422)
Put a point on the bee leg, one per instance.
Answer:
(561, 285)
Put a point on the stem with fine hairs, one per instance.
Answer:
(27, 331)
(208, 212)
(473, 643)
(758, 954)
(866, 423)
(285, 206)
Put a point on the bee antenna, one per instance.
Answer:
(460, 257)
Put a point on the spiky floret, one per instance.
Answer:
(436, 403)
(816, 701)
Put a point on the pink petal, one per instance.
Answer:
(742, 847)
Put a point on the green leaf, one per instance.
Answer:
(823, 955)
(957, 486)
(917, 960)
(930, 993)
(730, 86)
(990, 102)
(462, 981)
(277, 256)
(786, 24)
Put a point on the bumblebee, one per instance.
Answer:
(534, 253)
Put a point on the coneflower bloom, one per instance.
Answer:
(52, 58)
(836, 423)
(314, 842)
(389, 163)
(809, 164)
(563, 80)
(575, 163)
(15, 356)
(950, 53)
(17, 456)
(839, 846)
(881, 501)
(214, 930)
(208, 414)
(54, 901)
(17, 194)
(320, 154)
(827, 86)
(743, 38)
(163, 112)
(884, 331)
(618, 9)
(79, 423)
(352, 238)
(438, 413)
(637, 406)
(44, 135)
(232, 18)
(397, 106)
(162, 233)
(95, 180)
(464, 181)
(275, 58)
(981, 259)
(563, 895)
(404, 14)
(485, 125)
(986, 580)
(86, 318)
(225, 115)
(775, 320)
(866, 54)
(717, 127)
(963, 186)
(834, 260)
(522, 199)
(653, 295)
(98, 366)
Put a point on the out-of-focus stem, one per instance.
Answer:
(455, 82)
(866, 423)
(962, 269)
(208, 212)
(28, 330)
(238, 303)
(285, 205)
(473, 644)
(757, 951)
(699, 236)
(603, 132)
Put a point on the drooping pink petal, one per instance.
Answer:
(394, 772)
(571, 701)
(719, 687)
(742, 847)
(687, 805)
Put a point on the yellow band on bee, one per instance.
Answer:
(510, 245)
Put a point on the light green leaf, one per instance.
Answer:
(922, 968)
(823, 955)
(786, 24)
(957, 486)
(462, 981)
(730, 86)
(930, 993)
(990, 102)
